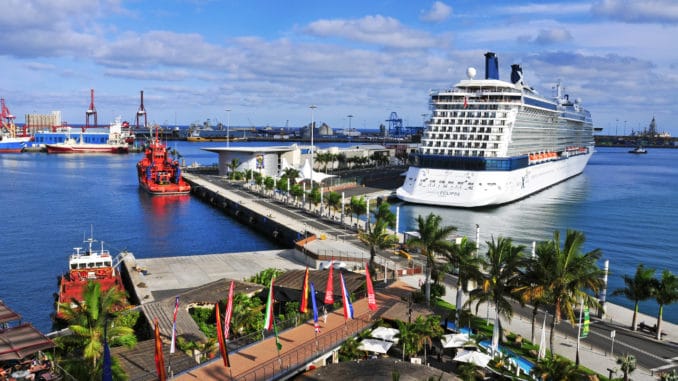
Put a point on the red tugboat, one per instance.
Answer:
(158, 173)
(83, 267)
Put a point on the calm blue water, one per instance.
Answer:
(622, 202)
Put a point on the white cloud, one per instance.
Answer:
(439, 12)
(649, 11)
(552, 36)
(378, 30)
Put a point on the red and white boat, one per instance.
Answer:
(158, 173)
(116, 143)
(85, 266)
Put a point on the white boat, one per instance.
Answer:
(491, 142)
(638, 149)
(115, 143)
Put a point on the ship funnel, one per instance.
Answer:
(491, 66)
(516, 74)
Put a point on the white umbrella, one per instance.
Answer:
(377, 346)
(474, 357)
(385, 333)
(454, 340)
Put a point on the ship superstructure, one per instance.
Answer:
(491, 142)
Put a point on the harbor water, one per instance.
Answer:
(623, 203)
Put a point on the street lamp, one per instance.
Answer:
(312, 107)
(228, 127)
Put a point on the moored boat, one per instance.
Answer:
(88, 265)
(491, 142)
(116, 142)
(158, 173)
(13, 144)
(638, 150)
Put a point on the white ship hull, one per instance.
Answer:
(471, 189)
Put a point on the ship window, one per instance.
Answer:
(74, 266)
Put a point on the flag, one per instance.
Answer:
(587, 320)
(465, 102)
(229, 311)
(268, 320)
(303, 307)
(277, 340)
(316, 326)
(174, 326)
(371, 299)
(542, 341)
(107, 373)
(346, 299)
(329, 290)
(220, 338)
(159, 360)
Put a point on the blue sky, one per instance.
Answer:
(268, 61)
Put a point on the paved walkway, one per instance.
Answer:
(592, 357)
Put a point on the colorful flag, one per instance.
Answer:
(465, 102)
(174, 326)
(316, 326)
(346, 299)
(329, 290)
(159, 360)
(542, 341)
(107, 372)
(268, 319)
(587, 321)
(220, 338)
(371, 298)
(229, 311)
(303, 307)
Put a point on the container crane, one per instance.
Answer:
(142, 112)
(7, 119)
(91, 111)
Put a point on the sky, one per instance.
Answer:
(269, 61)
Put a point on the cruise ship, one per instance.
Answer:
(491, 142)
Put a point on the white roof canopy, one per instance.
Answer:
(377, 346)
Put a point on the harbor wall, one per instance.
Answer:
(263, 224)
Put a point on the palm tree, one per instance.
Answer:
(556, 368)
(233, 166)
(638, 288)
(377, 237)
(433, 238)
(247, 315)
(292, 174)
(349, 350)
(464, 258)
(383, 212)
(627, 365)
(88, 319)
(571, 273)
(407, 338)
(427, 329)
(334, 201)
(533, 288)
(666, 292)
(358, 205)
(501, 272)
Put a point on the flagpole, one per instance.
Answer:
(581, 309)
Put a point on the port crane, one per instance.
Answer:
(91, 111)
(7, 120)
(142, 112)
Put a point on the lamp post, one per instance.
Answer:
(312, 107)
(228, 127)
